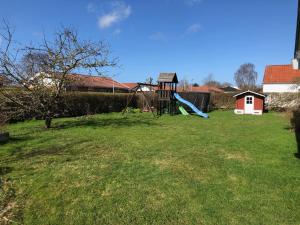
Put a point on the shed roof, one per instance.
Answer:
(168, 78)
(250, 92)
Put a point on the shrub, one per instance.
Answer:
(88, 103)
(143, 101)
(222, 101)
(3, 121)
(295, 119)
(200, 100)
(282, 102)
(74, 104)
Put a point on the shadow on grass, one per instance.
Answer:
(20, 153)
(103, 122)
(20, 147)
(57, 150)
(295, 122)
(5, 170)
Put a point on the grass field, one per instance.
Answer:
(107, 169)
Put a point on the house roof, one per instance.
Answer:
(229, 89)
(206, 88)
(281, 74)
(202, 89)
(81, 80)
(168, 78)
(250, 92)
(130, 85)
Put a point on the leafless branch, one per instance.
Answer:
(43, 71)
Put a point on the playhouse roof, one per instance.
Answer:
(168, 78)
(250, 92)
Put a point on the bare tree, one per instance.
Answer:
(149, 80)
(3, 119)
(40, 74)
(246, 76)
(210, 81)
(184, 85)
(226, 84)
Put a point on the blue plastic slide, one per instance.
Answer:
(194, 108)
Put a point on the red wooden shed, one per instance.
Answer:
(249, 102)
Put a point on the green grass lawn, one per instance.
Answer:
(107, 169)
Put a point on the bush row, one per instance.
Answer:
(87, 103)
(74, 104)
(222, 101)
(283, 102)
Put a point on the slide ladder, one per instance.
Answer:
(189, 104)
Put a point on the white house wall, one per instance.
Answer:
(280, 88)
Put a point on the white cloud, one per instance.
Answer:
(194, 28)
(0, 40)
(38, 34)
(193, 2)
(157, 36)
(119, 12)
(117, 31)
(91, 8)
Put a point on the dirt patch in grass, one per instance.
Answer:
(183, 168)
(238, 156)
(8, 204)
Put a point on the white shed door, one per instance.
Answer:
(249, 104)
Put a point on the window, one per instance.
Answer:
(249, 100)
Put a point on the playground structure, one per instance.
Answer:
(189, 104)
(168, 97)
(135, 90)
(168, 100)
(167, 87)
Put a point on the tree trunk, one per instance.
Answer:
(48, 121)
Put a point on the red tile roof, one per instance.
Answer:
(205, 88)
(281, 74)
(130, 85)
(95, 82)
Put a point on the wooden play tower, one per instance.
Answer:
(167, 86)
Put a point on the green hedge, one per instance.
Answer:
(74, 104)
(87, 103)
(222, 101)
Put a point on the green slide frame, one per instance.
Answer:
(183, 111)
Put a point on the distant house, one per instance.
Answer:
(281, 79)
(203, 89)
(230, 89)
(144, 88)
(79, 82)
(130, 86)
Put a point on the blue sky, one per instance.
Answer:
(191, 37)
